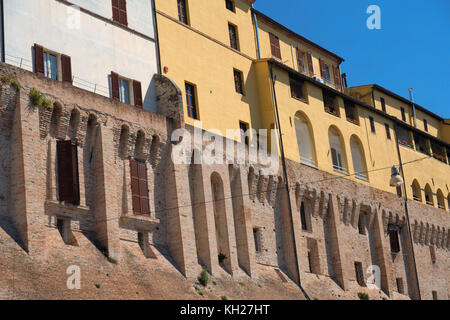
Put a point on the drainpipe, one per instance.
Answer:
(3, 31)
(411, 97)
(255, 20)
(407, 214)
(283, 160)
(155, 23)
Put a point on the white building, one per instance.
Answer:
(105, 46)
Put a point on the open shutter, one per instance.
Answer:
(66, 68)
(38, 59)
(323, 72)
(123, 12)
(337, 77)
(115, 86)
(137, 91)
(310, 64)
(115, 10)
(66, 179)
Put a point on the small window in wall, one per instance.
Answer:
(435, 295)
(394, 238)
(425, 125)
(67, 171)
(400, 288)
(433, 254)
(126, 90)
(229, 4)
(52, 65)
(234, 39)
(191, 101)
(275, 46)
(139, 187)
(388, 131)
(383, 104)
(372, 125)
(297, 88)
(238, 81)
(359, 274)
(403, 114)
(119, 8)
(362, 223)
(182, 11)
(243, 126)
(350, 112)
(304, 218)
(330, 102)
(257, 239)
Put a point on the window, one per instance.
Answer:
(388, 131)
(327, 73)
(275, 46)
(67, 164)
(435, 295)
(372, 125)
(244, 132)
(297, 89)
(313, 255)
(50, 66)
(400, 288)
(304, 217)
(336, 151)
(234, 43)
(421, 143)
(119, 8)
(191, 101)
(139, 187)
(305, 141)
(403, 114)
(383, 104)
(393, 238)
(301, 61)
(433, 254)
(440, 200)
(182, 11)
(425, 125)
(238, 83)
(429, 195)
(362, 223)
(257, 239)
(126, 90)
(359, 162)
(417, 193)
(350, 112)
(229, 4)
(359, 274)
(330, 103)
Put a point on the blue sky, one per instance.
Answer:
(412, 49)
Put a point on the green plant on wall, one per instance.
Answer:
(38, 99)
(7, 79)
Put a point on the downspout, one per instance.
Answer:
(3, 31)
(283, 161)
(255, 24)
(155, 23)
(407, 213)
(411, 97)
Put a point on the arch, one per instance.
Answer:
(417, 192)
(73, 124)
(440, 199)
(359, 158)
(55, 119)
(429, 199)
(337, 150)
(305, 140)
(123, 142)
(139, 146)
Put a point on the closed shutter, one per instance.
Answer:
(139, 188)
(323, 72)
(123, 12)
(115, 86)
(115, 9)
(337, 77)
(300, 60)
(275, 46)
(310, 64)
(66, 165)
(66, 68)
(38, 59)
(137, 91)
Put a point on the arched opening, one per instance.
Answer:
(251, 179)
(305, 214)
(440, 199)
(55, 119)
(73, 124)
(429, 195)
(337, 150)
(305, 140)
(123, 143)
(417, 192)
(154, 150)
(139, 146)
(359, 160)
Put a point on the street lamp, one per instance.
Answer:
(396, 178)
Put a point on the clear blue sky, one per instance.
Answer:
(412, 49)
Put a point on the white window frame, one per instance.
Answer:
(47, 64)
(131, 92)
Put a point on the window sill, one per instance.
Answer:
(340, 170)
(300, 99)
(333, 113)
(362, 178)
(144, 223)
(353, 121)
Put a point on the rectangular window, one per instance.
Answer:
(330, 103)
(301, 57)
(191, 101)
(359, 274)
(435, 295)
(336, 157)
(50, 66)
(303, 217)
(67, 164)
(238, 82)
(244, 134)
(372, 124)
(350, 112)
(139, 187)
(400, 288)
(362, 223)
(119, 8)
(433, 254)
(275, 46)
(182, 11)
(124, 91)
(257, 239)
(234, 43)
(403, 114)
(383, 104)
(425, 125)
(327, 73)
(394, 238)
(229, 4)
(388, 131)
(297, 89)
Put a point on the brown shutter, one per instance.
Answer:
(139, 187)
(143, 188)
(310, 64)
(115, 86)
(135, 187)
(337, 77)
(137, 91)
(300, 60)
(123, 12)
(66, 68)
(115, 10)
(66, 179)
(38, 59)
(275, 46)
(323, 72)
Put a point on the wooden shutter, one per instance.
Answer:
(115, 86)
(66, 178)
(323, 72)
(275, 46)
(66, 68)
(137, 91)
(38, 59)
(139, 187)
(337, 77)
(115, 10)
(300, 60)
(310, 63)
(123, 12)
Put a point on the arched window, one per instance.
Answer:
(417, 193)
(304, 140)
(429, 195)
(55, 119)
(337, 151)
(139, 147)
(359, 161)
(440, 199)
(123, 144)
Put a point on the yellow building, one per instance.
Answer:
(239, 68)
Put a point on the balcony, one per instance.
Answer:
(332, 110)
(354, 121)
